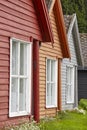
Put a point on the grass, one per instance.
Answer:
(65, 120)
(68, 121)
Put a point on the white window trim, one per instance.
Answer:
(72, 101)
(29, 68)
(56, 90)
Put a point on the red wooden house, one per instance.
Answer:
(23, 25)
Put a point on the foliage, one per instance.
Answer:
(28, 125)
(80, 8)
(65, 120)
(80, 110)
(83, 103)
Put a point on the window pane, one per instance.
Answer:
(48, 94)
(14, 95)
(51, 96)
(70, 84)
(68, 75)
(53, 93)
(14, 58)
(23, 59)
(22, 95)
(48, 70)
(52, 70)
(71, 75)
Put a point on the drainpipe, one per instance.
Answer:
(36, 79)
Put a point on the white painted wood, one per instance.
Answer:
(76, 59)
(27, 77)
(55, 75)
(68, 62)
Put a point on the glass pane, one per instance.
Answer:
(53, 93)
(68, 75)
(48, 70)
(14, 95)
(52, 70)
(71, 75)
(23, 59)
(68, 90)
(22, 95)
(14, 58)
(69, 93)
(48, 94)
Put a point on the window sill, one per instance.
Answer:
(51, 106)
(69, 102)
(15, 114)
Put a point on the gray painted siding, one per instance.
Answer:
(65, 62)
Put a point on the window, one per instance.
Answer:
(20, 78)
(70, 85)
(51, 83)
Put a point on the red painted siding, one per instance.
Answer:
(17, 19)
(4, 77)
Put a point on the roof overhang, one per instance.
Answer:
(44, 21)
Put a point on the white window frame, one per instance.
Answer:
(70, 97)
(28, 86)
(56, 83)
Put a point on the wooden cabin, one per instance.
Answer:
(50, 58)
(82, 70)
(69, 66)
(23, 25)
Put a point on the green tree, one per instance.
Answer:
(80, 8)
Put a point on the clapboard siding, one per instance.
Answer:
(4, 87)
(4, 69)
(20, 18)
(65, 62)
(3, 99)
(48, 51)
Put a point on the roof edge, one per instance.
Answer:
(71, 25)
(44, 21)
(79, 44)
(61, 29)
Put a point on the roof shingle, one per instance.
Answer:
(83, 39)
(67, 20)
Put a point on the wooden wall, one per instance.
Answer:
(17, 19)
(51, 51)
(67, 62)
(4, 77)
